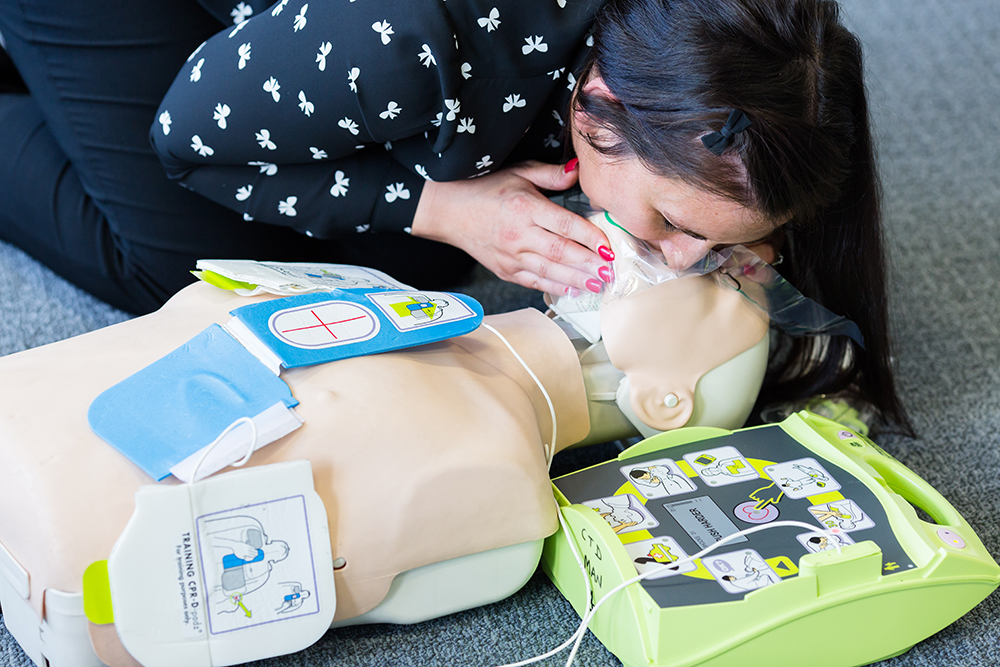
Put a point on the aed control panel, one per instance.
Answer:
(668, 504)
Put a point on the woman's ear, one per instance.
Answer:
(596, 85)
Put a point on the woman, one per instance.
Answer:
(775, 87)
(695, 124)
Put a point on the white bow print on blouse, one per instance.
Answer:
(340, 185)
(241, 12)
(305, 105)
(239, 26)
(534, 44)
(491, 22)
(272, 86)
(287, 207)
(383, 28)
(201, 148)
(426, 57)
(244, 53)
(264, 139)
(300, 18)
(324, 51)
(195, 52)
(266, 168)
(396, 191)
(391, 111)
(165, 121)
(512, 101)
(348, 125)
(221, 114)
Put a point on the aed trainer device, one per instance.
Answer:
(785, 596)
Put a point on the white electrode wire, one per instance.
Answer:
(549, 449)
(209, 448)
(577, 637)
(586, 579)
(585, 621)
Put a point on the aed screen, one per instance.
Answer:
(702, 520)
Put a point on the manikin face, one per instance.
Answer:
(684, 222)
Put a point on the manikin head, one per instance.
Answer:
(685, 348)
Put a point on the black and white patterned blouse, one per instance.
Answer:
(326, 116)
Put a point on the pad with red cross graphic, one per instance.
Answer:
(320, 327)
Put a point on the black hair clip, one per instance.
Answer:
(718, 142)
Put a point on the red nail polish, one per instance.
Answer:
(606, 254)
(605, 274)
(594, 286)
(571, 165)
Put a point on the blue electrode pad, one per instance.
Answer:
(183, 401)
(321, 327)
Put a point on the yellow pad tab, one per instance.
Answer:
(97, 594)
(221, 281)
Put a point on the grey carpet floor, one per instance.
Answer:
(935, 89)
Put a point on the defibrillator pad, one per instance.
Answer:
(235, 568)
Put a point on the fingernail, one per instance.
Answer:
(571, 165)
(572, 292)
(594, 286)
(605, 273)
(606, 254)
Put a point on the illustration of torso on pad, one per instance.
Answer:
(666, 505)
(257, 563)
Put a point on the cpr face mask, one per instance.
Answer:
(638, 266)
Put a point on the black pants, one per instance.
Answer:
(80, 188)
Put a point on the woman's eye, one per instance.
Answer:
(670, 228)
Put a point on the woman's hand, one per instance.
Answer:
(505, 222)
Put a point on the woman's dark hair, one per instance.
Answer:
(678, 68)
